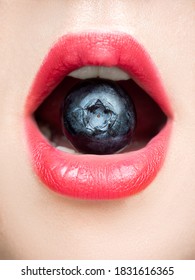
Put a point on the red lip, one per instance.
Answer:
(93, 176)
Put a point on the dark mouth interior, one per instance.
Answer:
(150, 117)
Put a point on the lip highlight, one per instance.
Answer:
(95, 176)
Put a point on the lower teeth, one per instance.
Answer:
(66, 150)
(46, 131)
(57, 141)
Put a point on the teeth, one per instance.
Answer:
(57, 141)
(46, 131)
(64, 149)
(111, 73)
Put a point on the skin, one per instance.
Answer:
(36, 223)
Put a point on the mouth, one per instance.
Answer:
(56, 162)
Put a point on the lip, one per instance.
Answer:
(95, 176)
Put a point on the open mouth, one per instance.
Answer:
(68, 165)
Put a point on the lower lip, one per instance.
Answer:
(93, 176)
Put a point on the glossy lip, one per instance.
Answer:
(94, 176)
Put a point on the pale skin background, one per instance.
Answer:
(36, 223)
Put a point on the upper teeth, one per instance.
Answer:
(111, 73)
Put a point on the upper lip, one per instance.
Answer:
(95, 177)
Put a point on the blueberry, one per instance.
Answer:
(98, 117)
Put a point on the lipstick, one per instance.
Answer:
(93, 176)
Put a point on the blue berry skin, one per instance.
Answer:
(98, 117)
